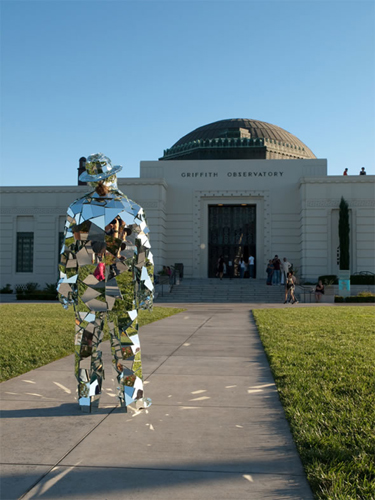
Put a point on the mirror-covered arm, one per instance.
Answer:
(68, 269)
(144, 266)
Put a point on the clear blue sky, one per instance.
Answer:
(129, 78)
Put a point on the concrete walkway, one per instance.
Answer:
(216, 429)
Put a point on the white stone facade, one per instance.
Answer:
(296, 215)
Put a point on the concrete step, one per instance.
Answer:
(214, 290)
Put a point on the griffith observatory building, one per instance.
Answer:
(233, 188)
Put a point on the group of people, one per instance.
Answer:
(277, 271)
(361, 172)
(245, 269)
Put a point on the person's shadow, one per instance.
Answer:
(64, 410)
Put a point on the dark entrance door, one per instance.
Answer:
(231, 233)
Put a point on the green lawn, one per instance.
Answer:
(33, 335)
(323, 361)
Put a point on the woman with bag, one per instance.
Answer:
(290, 286)
(319, 291)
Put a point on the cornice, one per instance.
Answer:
(61, 210)
(130, 181)
(338, 179)
(335, 202)
(142, 181)
(31, 211)
(44, 189)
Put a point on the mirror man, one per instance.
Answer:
(106, 273)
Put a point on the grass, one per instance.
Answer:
(323, 363)
(34, 335)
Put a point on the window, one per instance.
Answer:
(25, 252)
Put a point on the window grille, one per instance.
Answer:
(25, 252)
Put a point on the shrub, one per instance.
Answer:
(31, 287)
(344, 232)
(360, 299)
(329, 279)
(362, 279)
(37, 295)
(365, 294)
(355, 279)
(6, 289)
(50, 288)
(356, 298)
(30, 291)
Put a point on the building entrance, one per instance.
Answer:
(232, 234)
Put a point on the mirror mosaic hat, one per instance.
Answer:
(98, 167)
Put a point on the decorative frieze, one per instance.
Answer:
(32, 210)
(335, 202)
(338, 179)
(48, 210)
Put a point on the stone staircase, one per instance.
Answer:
(214, 290)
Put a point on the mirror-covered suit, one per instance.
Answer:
(106, 273)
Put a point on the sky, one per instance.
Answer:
(130, 78)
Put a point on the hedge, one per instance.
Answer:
(36, 296)
(355, 279)
(354, 299)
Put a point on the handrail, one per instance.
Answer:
(305, 289)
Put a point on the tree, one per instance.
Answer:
(344, 232)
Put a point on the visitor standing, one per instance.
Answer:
(276, 270)
(220, 267)
(319, 291)
(269, 272)
(363, 171)
(251, 266)
(345, 172)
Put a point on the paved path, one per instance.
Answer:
(216, 429)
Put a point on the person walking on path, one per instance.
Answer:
(106, 273)
(290, 286)
(319, 291)
(251, 266)
(269, 272)
(276, 270)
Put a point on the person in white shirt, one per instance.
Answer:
(286, 266)
(251, 266)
